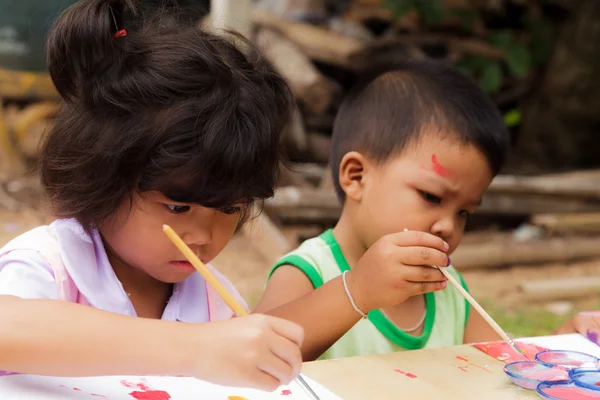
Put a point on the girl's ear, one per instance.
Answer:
(353, 169)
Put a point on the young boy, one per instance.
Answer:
(413, 149)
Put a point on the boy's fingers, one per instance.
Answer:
(425, 287)
(419, 274)
(415, 255)
(417, 238)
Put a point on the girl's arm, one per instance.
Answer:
(50, 337)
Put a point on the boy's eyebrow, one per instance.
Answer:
(446, 187)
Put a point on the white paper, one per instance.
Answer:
(573, 342)
(32, 387)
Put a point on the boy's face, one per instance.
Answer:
(432, 186)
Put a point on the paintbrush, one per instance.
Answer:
(220, 289)
(481, 311)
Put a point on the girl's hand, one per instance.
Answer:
(397, 267)
(586, 323)
(256, 351)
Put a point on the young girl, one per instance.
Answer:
(161, 123)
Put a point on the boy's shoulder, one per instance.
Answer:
(315, 257)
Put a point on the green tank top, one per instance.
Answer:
(321, 259)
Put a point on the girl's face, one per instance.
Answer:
(134, 235)
(432, 186)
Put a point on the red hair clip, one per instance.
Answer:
(120, 33)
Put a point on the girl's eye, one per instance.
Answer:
(430, 198)
(177, 209)
(230, 210)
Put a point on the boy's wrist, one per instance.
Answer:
(355, 291)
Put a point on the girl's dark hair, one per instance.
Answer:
(167, 108)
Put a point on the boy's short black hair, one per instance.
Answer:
(392, 108)
(162, 106)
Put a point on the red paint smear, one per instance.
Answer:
(597, 383)
(437, 167)
(151, 395)
(463, 369)
(77, 389)
(502, 351)
(473, 364)
(572, 393)
(286, 392)
(407, 374)
(98, 395)
(132, 385)
(63, 386)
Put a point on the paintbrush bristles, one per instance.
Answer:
(480, 310)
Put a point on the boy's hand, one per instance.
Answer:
(586, 323)
(397, 267)
(256, 351)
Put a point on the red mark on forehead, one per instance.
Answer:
(437, 167)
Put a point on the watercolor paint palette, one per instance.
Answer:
(558, 375)
(529, 374)
(567, 359)
(566, 391)
(33, 387)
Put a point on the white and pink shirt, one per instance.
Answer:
(62, 261)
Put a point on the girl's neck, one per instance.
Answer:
(149, 296)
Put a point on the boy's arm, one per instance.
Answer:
(395, 268)
(478, 330)
(325, 313)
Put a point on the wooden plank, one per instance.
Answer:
(511, 252)
(308, 84)
(22, 85)
(557, 289)
(576, 188)
(439, 374)
(568, 223)
(318, 43)
(232, 15)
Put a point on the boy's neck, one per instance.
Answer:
(350, 243)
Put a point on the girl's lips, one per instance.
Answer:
(184, 266)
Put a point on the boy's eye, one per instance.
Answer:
(177, 209)
(230, 210)
(431, 198)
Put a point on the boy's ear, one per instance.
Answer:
(353, 169)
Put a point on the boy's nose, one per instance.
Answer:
(444, 229)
